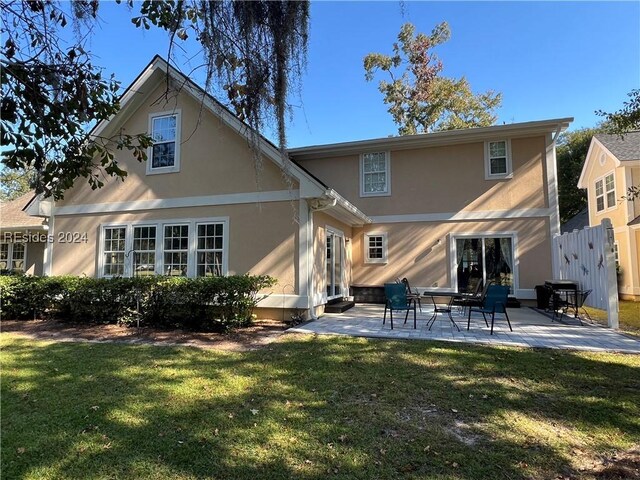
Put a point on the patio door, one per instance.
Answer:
(334, 264)
(486, 258)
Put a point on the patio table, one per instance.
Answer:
(563, 294)
(442, 308)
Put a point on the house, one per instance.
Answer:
(23, 238)
(440, 209)
(612, 166)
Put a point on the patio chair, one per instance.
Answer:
(413, 294)
(578, 297)
(495, 301)
(397, 299)
(473, 299)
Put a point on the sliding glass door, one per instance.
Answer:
(486, 259)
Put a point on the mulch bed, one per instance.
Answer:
(261, 333)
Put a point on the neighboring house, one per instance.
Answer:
(23, 238)
(437, 208)
(611, 167)
(577, 222)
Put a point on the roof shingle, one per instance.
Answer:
(12, 216)
(626, 148)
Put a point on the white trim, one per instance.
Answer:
(47, 265)
(627, 182)
(487, 160)
(552, 184)
(303, 248)
(176, 158)
(180, 202)
(385, 249)
(465, 215)
(160, 224)
(485, 234)
(329, 230)
(387, 164)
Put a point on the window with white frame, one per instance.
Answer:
(498, 159)
(114, 251)
(12, 256)
(375, 178)
(209, 250)
(144, 250)
(165, 152)
(176, 250)
(605, 192)
(616, 254)
(375, 248)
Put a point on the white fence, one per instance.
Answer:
(586, 256)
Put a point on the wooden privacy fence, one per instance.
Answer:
(586, 256)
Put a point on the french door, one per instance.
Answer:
(334, 264)
(489, 259)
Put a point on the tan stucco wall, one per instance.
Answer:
(35, 258)
(443, 179)
(414, 252)
(214, 160)
(262, 238)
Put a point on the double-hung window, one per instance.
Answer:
(114, 251)
(144, 250)
(498, 159)
(176, 250)
(375, 178)
(164, 155)
(209, 251)
(12, 256)
(605, 192)
(375, 248)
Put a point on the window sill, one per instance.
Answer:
(381, 194)
(160, 171)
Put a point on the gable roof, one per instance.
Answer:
(159, 70)
(623, 148)
(12, 214)
(577, 222)
(626, 149)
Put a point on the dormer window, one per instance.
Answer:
(498, 159)
(375, 178)
(164, 155)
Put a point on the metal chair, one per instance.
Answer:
(495, 301)
(414, 295)
(397, 299)
(578, 297)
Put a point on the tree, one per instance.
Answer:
(571, 154)
(52, 94)
(419, 99)
(623, 121)
(14, 183)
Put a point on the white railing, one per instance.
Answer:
(587, 257)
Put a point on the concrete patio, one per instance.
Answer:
(530, 329)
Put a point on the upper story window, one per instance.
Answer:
(12, 256)
(498, 159)
(605, 192)
(164, 156)
(375, 248)
(375, 178)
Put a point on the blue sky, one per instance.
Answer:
(549, 59)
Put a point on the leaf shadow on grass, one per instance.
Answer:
(310, 408)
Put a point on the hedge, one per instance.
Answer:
(211, 303)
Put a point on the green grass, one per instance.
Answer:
(628, 316)
(312, 408)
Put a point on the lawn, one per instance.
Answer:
(628, 316)
(313, 408)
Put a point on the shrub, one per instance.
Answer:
(212, 303)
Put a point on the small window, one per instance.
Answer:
(176, 250)
(114, 251)
(616, 254)
(374, 174)
(605, 192)
(144, 249)
(12, 256)
(498, 159)
(375, 246)
(210, 244)
(164, 155)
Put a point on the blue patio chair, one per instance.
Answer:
(495, 301)
(397, 299)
